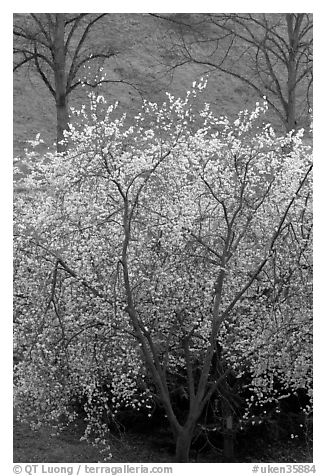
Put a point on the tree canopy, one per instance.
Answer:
(162, 247)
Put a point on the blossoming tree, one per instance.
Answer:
(145, 249)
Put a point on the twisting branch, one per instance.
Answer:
(270, 249)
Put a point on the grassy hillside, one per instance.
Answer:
(141, 43)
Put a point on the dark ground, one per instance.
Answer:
(40, 447)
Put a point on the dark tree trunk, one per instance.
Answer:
(60, 80)
(182, 447)
(291, 86)
(228, 441)
(228, 444)
(293, 25)
(62, 123)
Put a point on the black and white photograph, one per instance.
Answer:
(162, 240)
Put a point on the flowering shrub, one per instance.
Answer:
(147, 243)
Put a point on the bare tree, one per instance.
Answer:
(58, 47)
(270, 53)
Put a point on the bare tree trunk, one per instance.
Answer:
(60, 80)
(290, 119)
(62, 123)
(293, 25)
